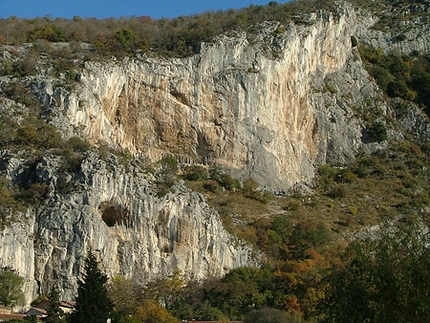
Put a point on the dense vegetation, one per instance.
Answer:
(400, 75)
(172, 37)
(11, 288)
(313, 272)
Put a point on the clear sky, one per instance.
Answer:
(117, 8)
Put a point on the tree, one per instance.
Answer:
(10, 288)
(377, 132)
(241, 291)
(381, 280)
(93, 304)
(125, 37)
(125, 295)
(152, 312)
(209, 313)
(55, 313)
(270, 315)
(167, 291)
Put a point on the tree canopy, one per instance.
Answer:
(11, 288)
(55, 313)
(93, 304)
(384, 279)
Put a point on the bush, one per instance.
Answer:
(77, 144)
(270, 315)
(195, 173)
(39, 135)
(354, 42)
(224, 179)
(72, 161)
(398, 88)
(168, 165)
(211, 186)
(250, 190)
(35, 193)
(326, 176)
(382, 76)
(250, 187)
(7, 203)
(377, 132)
(26, 66)
(337, 192)
(164, 187)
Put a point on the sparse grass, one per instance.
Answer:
(388, 184)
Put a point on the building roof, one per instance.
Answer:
(9, 316)
(36, 311)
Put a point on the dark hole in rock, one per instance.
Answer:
(113, 214)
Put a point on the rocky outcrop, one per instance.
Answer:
(396, 26)
(251, 105)
(272, 106)
(118, 214)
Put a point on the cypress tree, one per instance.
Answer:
(55, 313)
(93, 304)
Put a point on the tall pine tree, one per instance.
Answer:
(92, 303)
(55, 313)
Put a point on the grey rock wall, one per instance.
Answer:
(117, 214)
(273, 106)
(249, 104)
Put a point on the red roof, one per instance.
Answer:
(12, 316)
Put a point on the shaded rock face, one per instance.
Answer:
(250, 105)
(118, 215)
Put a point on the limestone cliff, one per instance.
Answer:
(252, 106)
(118, 214)
(272, 106)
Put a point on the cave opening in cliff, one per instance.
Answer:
(113, 214)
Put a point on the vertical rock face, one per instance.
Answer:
(250, 105)
(17, 252)
(119, 216)
(273, 106)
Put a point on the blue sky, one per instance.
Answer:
(119, 8)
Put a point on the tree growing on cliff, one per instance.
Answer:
(93, 304)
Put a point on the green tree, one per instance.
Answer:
(55, 313)
(11, 288)
(93, 304)
(271, 315)
(377, 132)
(152, 312)
(241, 291)
(125, 37)
(124, 294)
(398, 88)
(207, 312)
(381, 280)
(167, 291)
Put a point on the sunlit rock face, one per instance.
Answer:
(251, 104)
(273, 106)
(116, 213)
